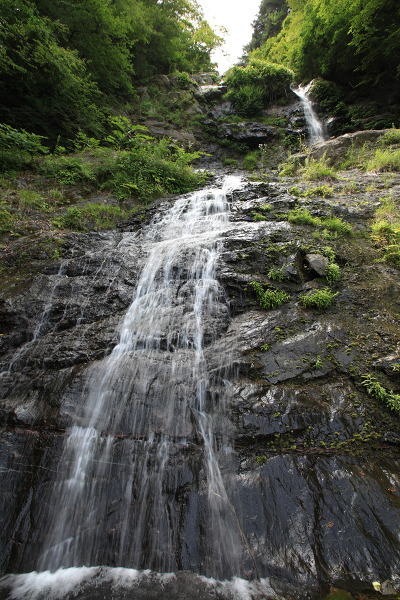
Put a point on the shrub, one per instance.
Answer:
(258, 216)
(6, 219)
(30, 200)
(17, 147)
(144, 175)
(321, 299)
(276, 274)
(254, 86)
(269, 298)
(230, 162)
(69, 170)
(19, 139)
(250, 161)
(288, 169)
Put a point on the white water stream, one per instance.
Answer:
(316, 129)
(149, 395)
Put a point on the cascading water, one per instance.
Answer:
(316, 129)
(190, 460)
(137, 407)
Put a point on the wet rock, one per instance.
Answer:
(317, 263)
(248, 132)
(309, 459)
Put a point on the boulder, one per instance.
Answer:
(336, 149)
(317, 263)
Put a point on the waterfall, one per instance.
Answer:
(316, 129)
(152, 395)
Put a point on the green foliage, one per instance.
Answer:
(183, 80)
(269, 298)
(258, 216)
(329, 97)
(288, 168)
(91, 217)
(6, 219)
(250, 161)
(320, 299)
(125, 134)
(252, 87)
(301, 216)
(390, 138)
(333, 273)
(276, 274)
(148, 172)
(29, 200)
(68, 170)
(268, 22)
(65, 64)
(230, 162)
(384, 160)
(318, 364)
(337, 225)
(386, 230)
(19, 139)
(321, 190)
(377, 391)
(314, 169)
(346, 41)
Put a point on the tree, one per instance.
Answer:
(44, 88)
(268, 22)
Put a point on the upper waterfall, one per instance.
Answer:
(316, 129)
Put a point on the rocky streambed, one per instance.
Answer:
(314, 471)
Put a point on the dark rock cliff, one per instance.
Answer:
(316, 462)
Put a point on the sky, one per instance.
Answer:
(236, 16)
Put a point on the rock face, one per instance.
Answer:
(335, 150)
(308, 461)
(251, 133)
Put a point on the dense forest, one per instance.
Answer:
(66, 65)
(355, 43)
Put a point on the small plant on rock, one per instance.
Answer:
(301, 216)
(333, 273)
(320, 299)
(314, 169)
(376, 390)
(269, 298)
(276, 274)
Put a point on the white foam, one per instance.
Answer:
(64, 583)
(30, 586)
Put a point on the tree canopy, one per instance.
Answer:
(351, 42)
(62, 64)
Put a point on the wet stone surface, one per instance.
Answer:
(310, 461)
